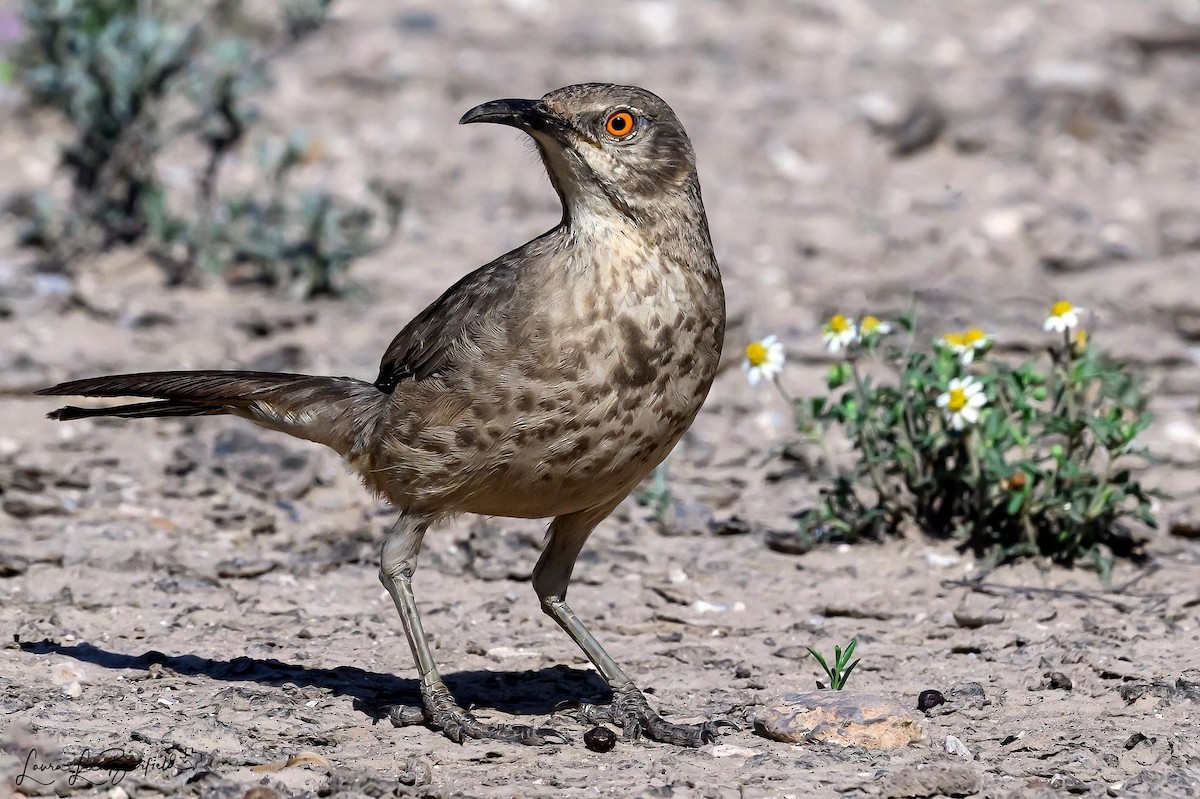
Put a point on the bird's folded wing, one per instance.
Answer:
(427, 344)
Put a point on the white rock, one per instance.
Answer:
(957, 747)
(940, 560)
(729, 750)
(1003, 224)
(73, 689)
(66, 673)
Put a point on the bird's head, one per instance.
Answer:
(608, 149)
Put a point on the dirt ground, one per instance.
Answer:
(202, 594)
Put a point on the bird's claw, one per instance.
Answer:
(630, 711)
(442, 713)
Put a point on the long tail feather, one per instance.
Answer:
(139, 410)
(337, 411)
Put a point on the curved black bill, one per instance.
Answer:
(520, 113)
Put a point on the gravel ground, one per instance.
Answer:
(202, 595)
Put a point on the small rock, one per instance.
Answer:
(940, 560)
(1058, 681)
(1179, 230)
(245, 569)
(12, 565)
(929, 700)
(1136, 739)
(1186, 524)
(29, 505)
(1065, 782)
(792, 652)
(1003, 224)
(841, 717)
(789, 542)
(600, 739)
(956, 747)
(968, 696)
(919, 783)
(117, 793)
(729, 750)
(971, 620)
(66, 673)
(73, 689)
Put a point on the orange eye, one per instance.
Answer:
(619, 124)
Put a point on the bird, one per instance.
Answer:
(546, 384)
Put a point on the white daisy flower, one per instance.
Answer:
(961, 402)
(764, 359)
(838, 333)
(1063, 316)
(967, 345)
(871, 326)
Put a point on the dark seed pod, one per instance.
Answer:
(929, 700)
(600, 739)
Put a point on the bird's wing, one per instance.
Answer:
(427, 344)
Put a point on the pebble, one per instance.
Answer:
(956, 747)
(930, 699)
(1186, 524)
(600, 739)
(1058, 681)
(972, 621)
(932, 780)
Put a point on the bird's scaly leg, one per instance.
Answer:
(629, 708)
(397, 561)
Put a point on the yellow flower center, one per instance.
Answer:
(974, 336)
(1061, 307)
(958, 400)
(955, 339)
(839, 324)
(756, 353)
(869, 325)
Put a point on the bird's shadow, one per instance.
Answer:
(514, 692)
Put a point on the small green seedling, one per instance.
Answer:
(840, 673)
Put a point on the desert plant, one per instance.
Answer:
(136, 76)
(839, 673)
(1014, 460)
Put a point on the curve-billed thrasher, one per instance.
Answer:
(549, 382)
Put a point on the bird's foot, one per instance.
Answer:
(442, 713)
(630, 711)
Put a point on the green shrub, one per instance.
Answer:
(134, 77)
(1013, 460)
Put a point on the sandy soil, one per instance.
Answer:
(203, 594)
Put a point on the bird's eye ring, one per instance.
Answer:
(619, 124)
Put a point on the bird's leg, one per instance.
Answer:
(629, 708)
(397, 561)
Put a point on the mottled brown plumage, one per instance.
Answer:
(547, 383)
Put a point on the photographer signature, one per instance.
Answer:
(107, 767)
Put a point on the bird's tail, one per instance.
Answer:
(339, 412)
